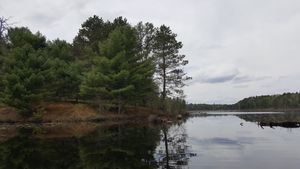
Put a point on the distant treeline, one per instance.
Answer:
(192, 106)
(111, 64)
(283, 101)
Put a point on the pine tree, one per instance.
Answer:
(66, 71)
(120, 74)
(145, 35)
(4, 26)
(145, 38)
(27, 71)
(170, 63)
(94, 31)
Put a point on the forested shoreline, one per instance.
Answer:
(111, 64)
(281, 101)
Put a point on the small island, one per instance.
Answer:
(112, 70)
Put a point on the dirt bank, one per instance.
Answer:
(71, 112)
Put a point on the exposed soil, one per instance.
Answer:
(71, 112)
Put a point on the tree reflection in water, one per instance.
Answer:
(114, 147)
(173, 151)
(285, 120)
(111, 147)
(120, 147)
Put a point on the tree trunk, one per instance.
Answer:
(165, 132)
(164, 78)
(119, 105)
(164, 94)
(99, 103)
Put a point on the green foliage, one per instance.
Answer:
(94, 31)
(169, 62)
(120, 72)
(192, 106)
(145, 37)
(283, 101)
(27, 71)
(19, 37)
(3, 47)
(175, 105)
(66, 71)
(108, 61)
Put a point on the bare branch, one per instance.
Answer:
(4, 25)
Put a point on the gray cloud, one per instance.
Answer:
(220, 79)
(215, 79)
(234, 76)
(245, 79)
(43, 19)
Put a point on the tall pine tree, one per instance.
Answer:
(169, 70)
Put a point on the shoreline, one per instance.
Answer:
(66, 112)
(251, 110)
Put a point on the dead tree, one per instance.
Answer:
(4, 25)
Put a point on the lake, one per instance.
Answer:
(215, 140)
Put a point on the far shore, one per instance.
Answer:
(248, 110)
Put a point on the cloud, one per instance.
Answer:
(223, 74)
(215, 78)
(220, 79)
(43, 19)
(217, 73)
(247, 79)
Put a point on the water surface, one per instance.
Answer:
(241, 142)
(215, 140)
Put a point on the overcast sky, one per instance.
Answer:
(236, 48)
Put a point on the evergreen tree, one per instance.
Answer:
(110, 61)
(169, 62)
(120, 72)
(3, 47)
(145, 35)
(65, 70)
(27, 71)
(145, 38)
(94, 31)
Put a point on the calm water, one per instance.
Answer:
(211, 141)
